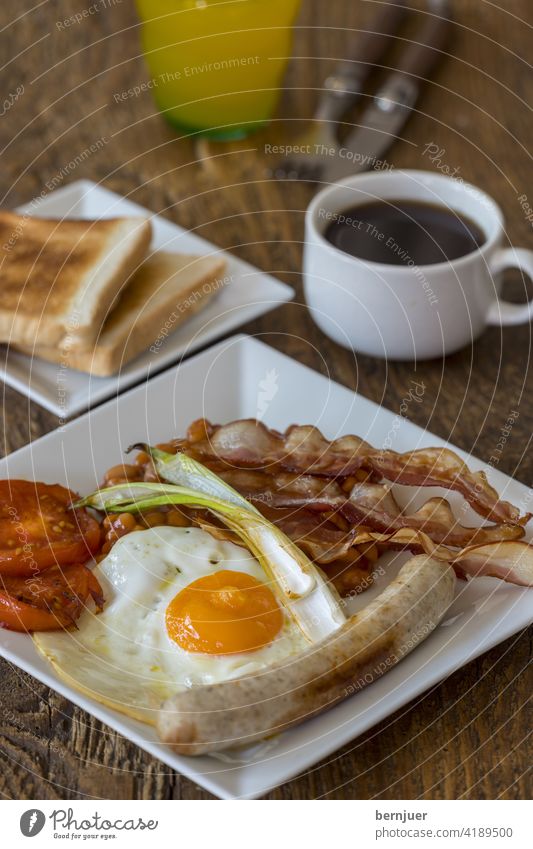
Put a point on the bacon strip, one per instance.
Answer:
(302, 449)
(367, 503)
(375, 505)
(327, 496)
(508, 560)
(341, 552)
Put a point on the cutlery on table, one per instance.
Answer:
(342, 89)
(389, 110)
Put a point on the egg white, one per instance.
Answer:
(124, 656)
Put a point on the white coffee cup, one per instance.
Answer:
(408, 312)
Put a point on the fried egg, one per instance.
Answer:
(182, 608)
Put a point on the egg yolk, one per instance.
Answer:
(223, 613)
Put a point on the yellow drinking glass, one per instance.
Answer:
(216, 66)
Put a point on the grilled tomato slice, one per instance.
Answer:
(39, 529)
(47, 601)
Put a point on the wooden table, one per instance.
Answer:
(466, 738)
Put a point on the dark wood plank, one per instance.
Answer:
(465, 738)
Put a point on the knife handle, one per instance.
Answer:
(369, 45)
(419, 59)
(345, 85)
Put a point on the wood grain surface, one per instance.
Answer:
(468, 737)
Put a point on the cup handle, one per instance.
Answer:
(503, 312)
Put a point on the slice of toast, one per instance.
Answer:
(59, 277)
(167, 290)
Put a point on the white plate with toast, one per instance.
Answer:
(243, 292)
(241, 378)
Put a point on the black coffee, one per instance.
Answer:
(400, 232)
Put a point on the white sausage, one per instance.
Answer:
(238, 712)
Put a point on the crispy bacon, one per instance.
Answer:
(508, 560)
(375, 505)
(511, 561)
(341, 553)
(302, 449)
(329, 497)
(367, 503)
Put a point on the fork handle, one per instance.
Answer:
(422, 55)
(369, 45)
(345, 85)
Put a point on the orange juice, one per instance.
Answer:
(216, 65)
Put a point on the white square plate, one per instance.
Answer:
(248, 293)
(239, 378)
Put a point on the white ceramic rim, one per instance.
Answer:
(424, 177)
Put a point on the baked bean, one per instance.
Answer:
(348, 484)
(109, 519)
(169, 447)
(176, 519)
(123, 524)
(154, 519)
(142, 458)
(121, 473)
(197, 431)
(338, 520)
(371, 552)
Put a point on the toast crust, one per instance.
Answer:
(57, 276)
(165, 292)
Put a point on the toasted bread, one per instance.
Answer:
(167, 290)
(58, 277)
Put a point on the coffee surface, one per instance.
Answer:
(400, 232)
